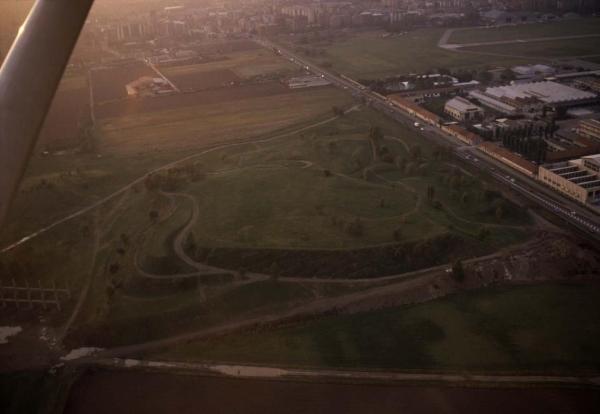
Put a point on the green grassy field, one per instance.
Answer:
(207, 123)
(245, 64)
(132, 145)
(527, 31)
(367, 55)
(276, 195)
(300, 187)
(547, 49)
(534, 328)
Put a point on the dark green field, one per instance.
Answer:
(534, 328)
(548, 49)
(574, 27)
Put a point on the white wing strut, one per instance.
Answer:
(29, 78)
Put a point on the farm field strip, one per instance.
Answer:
(543, 49)
(527, 31)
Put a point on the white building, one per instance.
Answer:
(462, 109)
(531, 97)
(533, 71)
(578, 179)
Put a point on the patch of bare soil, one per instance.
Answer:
(138, 392)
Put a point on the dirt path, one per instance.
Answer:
(401, 141)
(407, 284)
(295, 374)
(419, 199)
(312, 309)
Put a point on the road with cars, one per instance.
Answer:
(572, 213)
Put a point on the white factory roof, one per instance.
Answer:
(490, 101)
(547, 92)
(461, 104)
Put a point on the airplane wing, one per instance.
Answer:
(29, 78)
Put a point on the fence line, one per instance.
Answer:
(19, 295)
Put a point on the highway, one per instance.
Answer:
(569, 211)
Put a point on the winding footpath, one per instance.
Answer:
(141, 179)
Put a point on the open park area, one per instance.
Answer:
(377, 54)
(235, 219)
(310, 199)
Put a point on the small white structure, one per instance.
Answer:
(307, 82)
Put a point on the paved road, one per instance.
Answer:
(577, 216)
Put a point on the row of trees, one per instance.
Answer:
(173, 178)
(533, 149)
(528, 130)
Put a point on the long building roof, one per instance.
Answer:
(546, 91)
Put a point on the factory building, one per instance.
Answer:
(589, 128)
(578, 179)
(532, 97)
(462, 110)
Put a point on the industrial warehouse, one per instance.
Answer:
(532, 98)
(578, 179)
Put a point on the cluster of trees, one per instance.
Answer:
(534, 149)
(528, 140)
(428, 252)
(173, 178)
